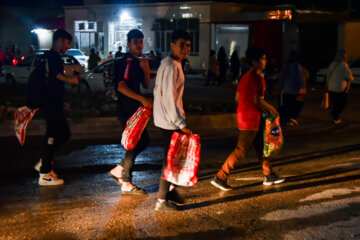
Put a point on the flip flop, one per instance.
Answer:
(116, 179)
(135, 191)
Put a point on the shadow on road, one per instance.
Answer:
(275, 189)
(289, 160)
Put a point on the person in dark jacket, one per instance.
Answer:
(57, 128)
(93, 60)
(131, 71)
(223, 64)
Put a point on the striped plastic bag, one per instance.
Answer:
(135, 127)
(22, 119)
(183, 159)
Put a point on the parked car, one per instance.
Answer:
(21, 72)
(79, 55)
(95, 77)
(354, 67)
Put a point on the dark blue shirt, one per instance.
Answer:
(54, 88)
(127, 106)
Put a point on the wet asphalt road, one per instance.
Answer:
(319, 200)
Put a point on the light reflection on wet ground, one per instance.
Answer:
(107, 155)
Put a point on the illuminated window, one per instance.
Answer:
(86, 36)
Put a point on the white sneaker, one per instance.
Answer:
(48, 179)
(38, 166)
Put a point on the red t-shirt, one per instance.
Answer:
(248, 114)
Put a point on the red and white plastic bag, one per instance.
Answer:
(23, 117)
(135, 127)
(183, 159)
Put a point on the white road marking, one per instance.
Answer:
(310, 210)
(330, 193)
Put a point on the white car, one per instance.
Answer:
(21, 72)
(354, 67)
(95, 77)
(79, 55)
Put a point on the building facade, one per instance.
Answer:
(316, 35)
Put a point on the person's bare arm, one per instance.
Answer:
(186, 130)
(73, 79)
(124, 89)
(144, 64)
(261, 103)
(237, 97)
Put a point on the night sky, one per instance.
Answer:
(334, 5)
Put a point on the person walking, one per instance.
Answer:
(169, 113)
(339, 78)
(251, 105)
(292, 85)
(93, 60)
(271, 76)
(110, 56)
(235, 66)
(57, 128)
(130, 72)
(223, 64)
(119, 54)
(213, 69)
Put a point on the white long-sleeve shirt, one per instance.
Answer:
(339, 76)
(168, 109)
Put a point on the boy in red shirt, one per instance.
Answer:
(251, 105)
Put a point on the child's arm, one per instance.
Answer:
(124, 89)
(261, 103)
(72, 80)
(144, 64)
(237, 97)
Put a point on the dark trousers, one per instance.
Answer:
(338, 102)
(164, 185)
(128, 161)
(57, 133)
(290, 107)
(211, 78)
(247, 138)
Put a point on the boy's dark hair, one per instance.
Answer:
(254, 54)
(135, 33)
(179, 34)
(61, 33)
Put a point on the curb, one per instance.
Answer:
(112, 125)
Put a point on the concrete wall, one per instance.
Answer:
(290, 39)
(148, 14)
(72, 15)
(351, 39)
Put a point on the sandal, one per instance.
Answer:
(118, 180)
(135, 191)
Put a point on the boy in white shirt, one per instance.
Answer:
(168, 112)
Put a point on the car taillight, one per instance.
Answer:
(22, 58)
(14, 61)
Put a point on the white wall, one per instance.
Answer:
(148, 13)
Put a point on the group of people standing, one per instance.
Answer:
(219, 65)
